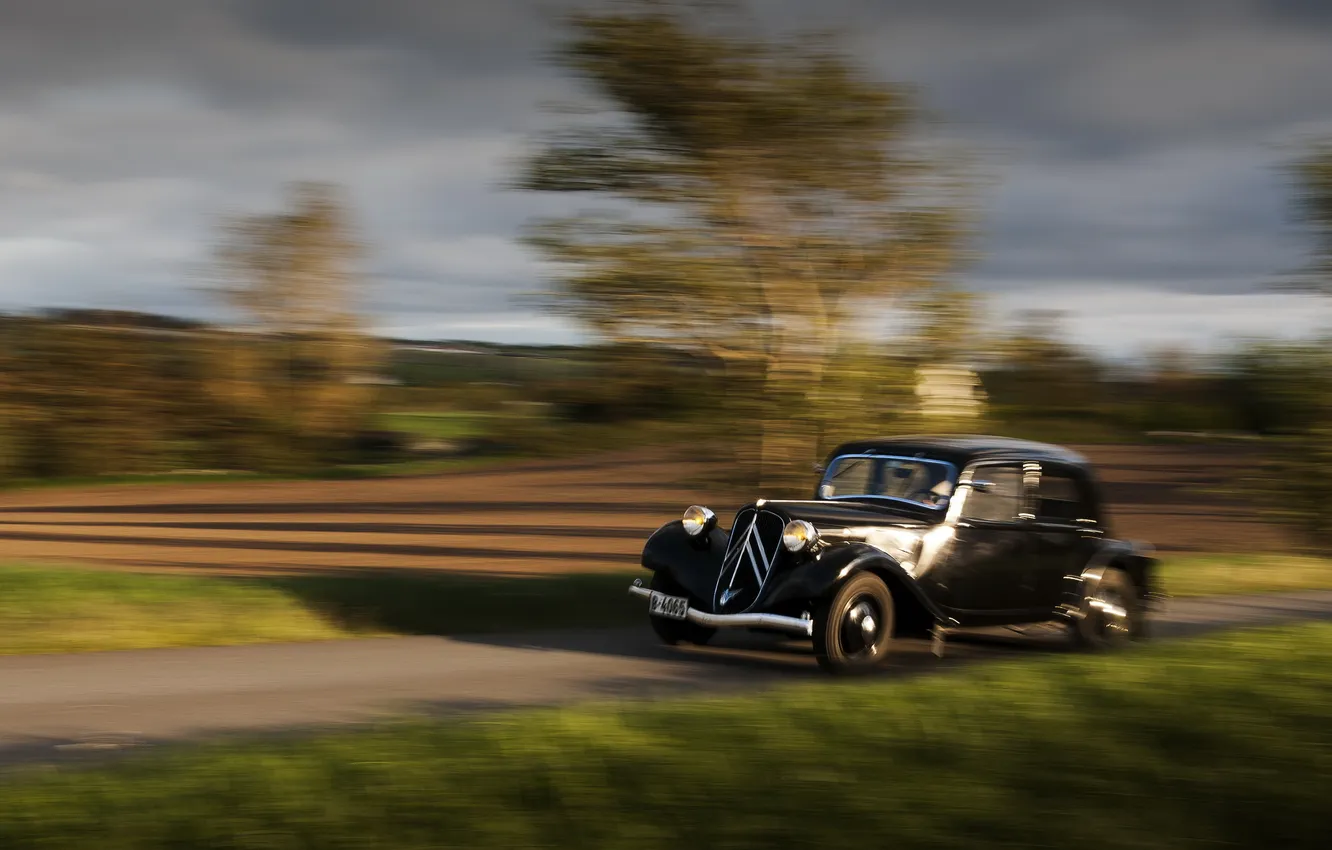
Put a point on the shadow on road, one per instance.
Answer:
(758, 652)
(754, 652)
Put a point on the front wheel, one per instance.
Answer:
(852, 628)
(1112, 616)
(672, 632)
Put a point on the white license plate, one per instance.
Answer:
(661, 605)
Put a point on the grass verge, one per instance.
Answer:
(71, 609)
(1223, 741)
(56, 609)
(434, 425)
(1227, 575)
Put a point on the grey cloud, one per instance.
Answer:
(476, 38)
(1189, 220)
(1315, 12)
(1133, 141)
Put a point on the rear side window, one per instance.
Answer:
(1001, 501)
(1061, 498)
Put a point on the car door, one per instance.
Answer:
(988, 565)
(1065, 530)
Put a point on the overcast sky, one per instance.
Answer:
(1133, 147)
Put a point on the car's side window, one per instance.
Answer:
(1062, 498)
(1000, 497)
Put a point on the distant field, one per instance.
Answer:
(441, 553)
(1224, 741)
(417, 367)
(579, 514)
(435, 425)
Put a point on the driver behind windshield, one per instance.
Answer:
(913, 481)
(939, 494)
(926, 483)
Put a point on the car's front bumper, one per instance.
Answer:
(801, 626)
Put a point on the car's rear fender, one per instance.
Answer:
(693, 563)
(1135, 559)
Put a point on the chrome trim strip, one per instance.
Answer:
(794, 625)
(895, 499)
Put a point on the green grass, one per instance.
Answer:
(57, 609)
(435, 425)
(1225, 741)
(74, 609)
(346, 471)
(1223, 575)
(44, 609)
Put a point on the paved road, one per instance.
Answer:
(66, 704)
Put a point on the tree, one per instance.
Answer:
(293, 375)
(1040, 372)
(1308, 453)
(947, 327)
(1313, 204)
(78, 400)
(762, 194)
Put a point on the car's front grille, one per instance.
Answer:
(751, 554)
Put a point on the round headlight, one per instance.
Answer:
(799, 535)
(698, 520)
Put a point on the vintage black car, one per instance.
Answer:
(907, 537)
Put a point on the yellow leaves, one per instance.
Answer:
(293, 274)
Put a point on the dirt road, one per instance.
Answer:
(569, 516)
(54, 706)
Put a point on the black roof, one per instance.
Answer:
(962, 449)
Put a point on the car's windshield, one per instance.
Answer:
(919, 480)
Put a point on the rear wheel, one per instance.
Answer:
(674, 632)
(852, 628)
(1112, 616)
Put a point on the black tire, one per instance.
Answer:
(1113, 616)
(672, 632)
(842, 643)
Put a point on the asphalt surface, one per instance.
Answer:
(52, 706)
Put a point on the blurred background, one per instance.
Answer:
(329, 238)
(382, 305)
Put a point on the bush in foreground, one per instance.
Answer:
(1223, 741)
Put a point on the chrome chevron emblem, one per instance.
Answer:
(747, 556)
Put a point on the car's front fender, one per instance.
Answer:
(693, 563)
(820, 576)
